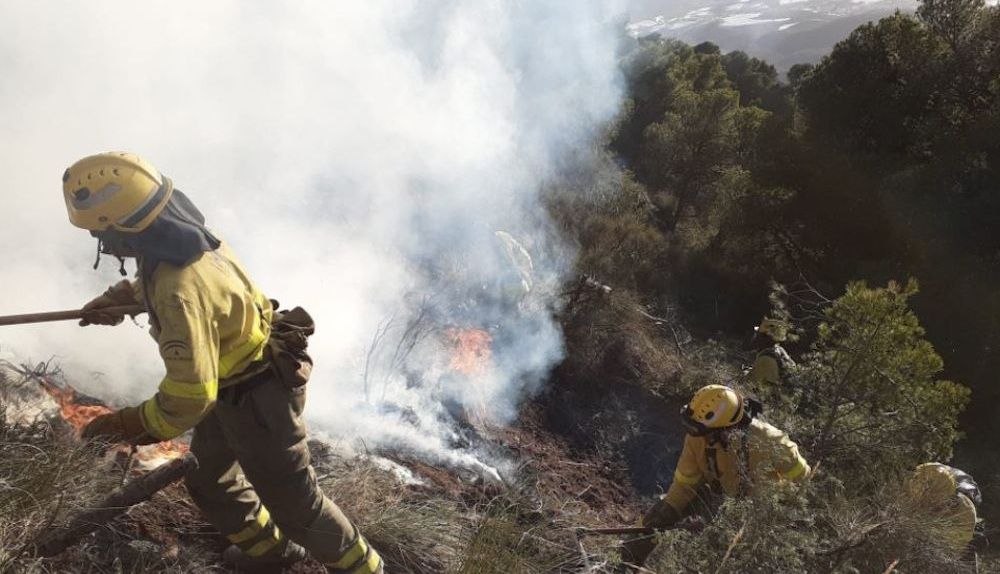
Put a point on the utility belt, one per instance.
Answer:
(285, 356)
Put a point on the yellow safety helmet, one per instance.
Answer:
(713, 407)
(775, 329)
(115, 190)
(933, 481)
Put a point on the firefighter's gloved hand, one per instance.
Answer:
(120, 426)
(661, 516)
(118, 295)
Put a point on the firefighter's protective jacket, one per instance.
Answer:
(959, 521)
(212, 325)
(768, 366)
(767, 455)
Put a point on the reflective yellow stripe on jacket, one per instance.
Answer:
(252, 349)
(693, 480)
(800, 469)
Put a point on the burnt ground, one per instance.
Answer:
(624, 425)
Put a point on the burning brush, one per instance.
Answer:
(78, 411)
(473, 349)
(29, 394)
(471, 359)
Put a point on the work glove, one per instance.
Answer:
(118, 295)
(661, 516)
(124, 425)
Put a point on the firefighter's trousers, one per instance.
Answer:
(255, 482)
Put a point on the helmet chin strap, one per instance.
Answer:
(100, 251)
(100, 245)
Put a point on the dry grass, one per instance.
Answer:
(45, 479)
(419, 531)
(414, 534)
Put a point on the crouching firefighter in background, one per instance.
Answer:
(770, 358)
(235, 370)
(727, 447)
(951, 498)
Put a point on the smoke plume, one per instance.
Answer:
(359, 157)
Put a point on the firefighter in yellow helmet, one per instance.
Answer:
(727, 447)
(770, 358)
(235, 370)
(951, 496)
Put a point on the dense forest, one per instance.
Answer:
(859, 199)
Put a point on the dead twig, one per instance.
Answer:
(732, 546)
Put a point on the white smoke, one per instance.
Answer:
(358, 156)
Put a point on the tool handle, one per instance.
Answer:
(139, 490)
(617, 530)
(66, 315)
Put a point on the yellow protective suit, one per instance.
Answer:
(255, 481)
(767, 455)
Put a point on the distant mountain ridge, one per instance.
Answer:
(783, 32)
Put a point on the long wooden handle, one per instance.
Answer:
(617, 530)
(66, 315)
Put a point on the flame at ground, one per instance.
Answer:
(70, 410)
(79, 415)
(473, 351)
(153, 455)
(471, 356)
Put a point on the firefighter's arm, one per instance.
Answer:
(122, 294)
(787, 462)
(189, 346)
(687, 478)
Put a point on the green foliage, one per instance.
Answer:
(953, 20)
(870, 403)
(610, 217)
(756, 81)
(880, 161)
(871, 95)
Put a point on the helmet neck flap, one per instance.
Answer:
(176, 236)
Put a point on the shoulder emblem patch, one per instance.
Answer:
(175, 350)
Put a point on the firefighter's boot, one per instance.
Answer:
(273, 561)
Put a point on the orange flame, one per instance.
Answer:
(75, 414)
(473, 351)
(156, 454)
(78, 416)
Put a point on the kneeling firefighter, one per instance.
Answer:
(235, 370)
(727, 447)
